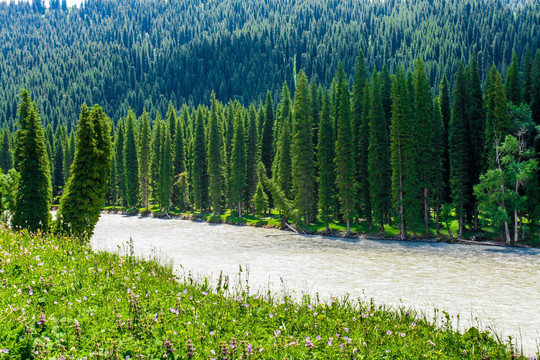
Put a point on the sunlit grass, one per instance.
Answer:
(61, 300)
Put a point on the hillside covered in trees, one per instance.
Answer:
(143, 54)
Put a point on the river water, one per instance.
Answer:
(486, 286)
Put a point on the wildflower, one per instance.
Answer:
(402, 335)
(431, 343)
(4, 351)
(388, 332)
(318, 337)
(42, 319)
(413, 325)
(309, 344)
(330, 342)
(277, 333)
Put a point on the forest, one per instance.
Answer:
(382, 151)
(410, 140)
(142, 54)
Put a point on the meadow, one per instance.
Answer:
(59, 299)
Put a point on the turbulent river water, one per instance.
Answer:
(490, 287)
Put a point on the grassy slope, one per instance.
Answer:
(61, 300)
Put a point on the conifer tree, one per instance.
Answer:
(498, 121)
(364, 197)
(477, 123)
(437, 192)
(199, 164)
(267, 152)
(215, 160)
(535, 88)
(425, 144)
(179, 161)
(24, 109)
(445, 109)
(238, 163)
(378, 170)
(344, 161)
(303, 166)
(166, 171)
(386, 93)
(131, 161)
(6, 160)
(119, 163)
(155, 158)
(527, 75)
(326, 155)
(282, 166)
(252, 156)
(69, 155)
(405, 189)
(459, 151)
(58, 174)
(512, 85)
(144, 158)
(35, 190)
(260, 200)
(360, 132)
(84, 195)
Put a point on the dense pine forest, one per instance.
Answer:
(411, 114)
(143, 54)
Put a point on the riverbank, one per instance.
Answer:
(336, 230)
(61, 300)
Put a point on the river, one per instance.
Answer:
(486, 286)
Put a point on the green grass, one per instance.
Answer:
(60, 300)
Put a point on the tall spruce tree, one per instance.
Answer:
(303, 164)
(527, 75)
(58, 174)
(378, 170)
(144, 158)
(459, 151)
(131, 161)
(215, 160)
(84, 196)
(120, 181)
(282, 166)
(179, 160)
(360, 129)
(155, 158)
(425, 144)
(344, 161)
(512, 85)
(238, 163)
(267, 151)
(445, 109)
(498, 121)
(405, 185)
(166, 171)
(6, 160)
(253, 156)
(477, 124)
(326, 155)
(199, 164)
(33, 203)
(535, 88)
(437, 192)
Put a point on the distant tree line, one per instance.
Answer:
(382, 150)
(142, 54)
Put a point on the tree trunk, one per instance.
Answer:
(438, 217)
(348, 226)
(507, 233)
(460, 233)
(240, 210)
(476, 223)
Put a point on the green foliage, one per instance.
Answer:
(35, 189)
(144, 158)
(403, 155)
(512, 84)
(498, 122)
(131, 161)
(267, 139)
(215, 160)
(155, 158)
(199, 164)
(82, 302)
(459, 151)
(9, 185)
(378, 153)
(260, 200)
(303, 164)
(84, 195)
(166, 175)
(325, 158)
(344, 160)
(238, 163)
(252, 155)
(6, 160)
